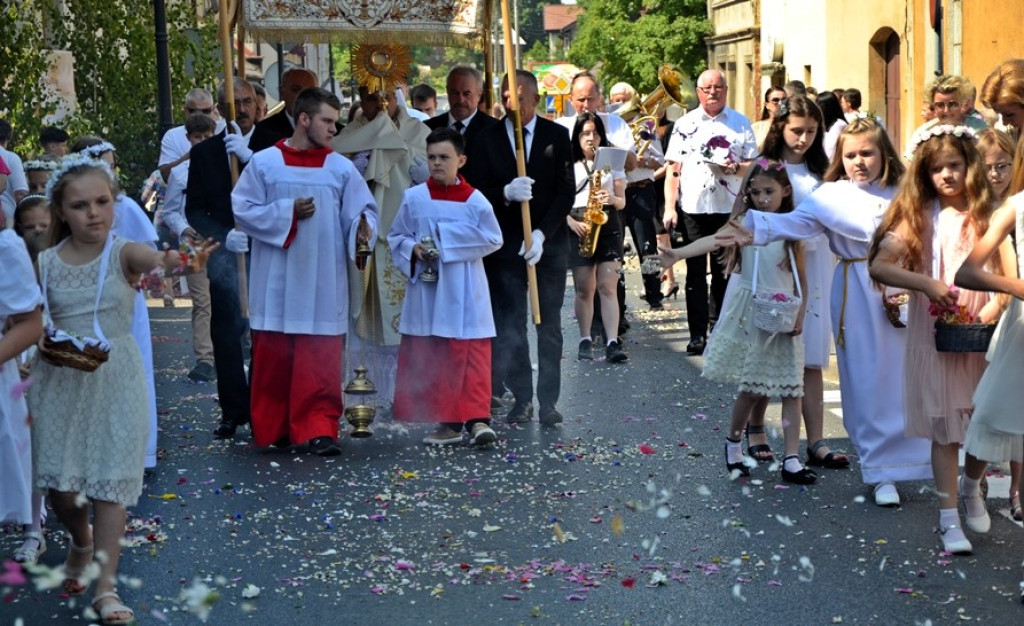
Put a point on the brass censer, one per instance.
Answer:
(360, 415)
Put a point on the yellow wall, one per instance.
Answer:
(993, 31)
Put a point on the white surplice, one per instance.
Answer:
(301, 288)
(19, 293)
(458, 305)
(870, 351)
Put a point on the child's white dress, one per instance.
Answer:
(738, 352)
(19, 293)
(997, 424)
(90, 428)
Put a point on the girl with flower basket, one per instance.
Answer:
(90, 427)
(941, 210)
(764, 364)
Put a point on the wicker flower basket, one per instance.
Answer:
(67, 354)
(895, 308)
(963, 337)
(773, 314)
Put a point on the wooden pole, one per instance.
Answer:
(512, 107)
(226, 13)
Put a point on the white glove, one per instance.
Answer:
(418, 171)
(237, 241)
(519, 190)
(237, 145)
(536, 249)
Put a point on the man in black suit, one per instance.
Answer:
(281, 125)
(550, 187)
(465, 85)
(208, 210)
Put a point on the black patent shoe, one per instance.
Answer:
(740, 467)
(324, 446)
(802, 477)
(696, 347)
(225, 430)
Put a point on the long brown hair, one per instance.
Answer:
(892, 167)
(775, 142)
(911, 209)
(775, 170)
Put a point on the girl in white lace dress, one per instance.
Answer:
(90, 428)
(764, 365)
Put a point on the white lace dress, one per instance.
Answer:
(738, 352)
(90, 428)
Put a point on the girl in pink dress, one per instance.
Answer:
(942, 208)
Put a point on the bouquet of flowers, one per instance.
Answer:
(958, 330)
(718, 151)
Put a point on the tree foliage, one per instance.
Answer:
(630, 39)
(114, 49)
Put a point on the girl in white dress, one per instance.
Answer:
(795, 138)
(20, 327)
(869, 350)
(89, 428)
(765, 365)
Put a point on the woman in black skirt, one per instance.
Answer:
(599, 272)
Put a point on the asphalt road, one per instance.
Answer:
(622, 515)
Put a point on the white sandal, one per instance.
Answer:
(28, 555)
(107, 609)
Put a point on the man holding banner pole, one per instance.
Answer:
(549, 188)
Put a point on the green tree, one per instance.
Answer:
(632, 38)
(114, 51)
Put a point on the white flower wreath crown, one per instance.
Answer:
(39, 165)
(73, 162)
(937, 131)
(99, 149)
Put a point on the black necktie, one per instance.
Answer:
(459, 126)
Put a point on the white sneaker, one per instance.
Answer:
(886, 495)
(443, 436)
(953, 539)
(975, 512)
(482, 435)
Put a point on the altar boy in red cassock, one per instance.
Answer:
(303, 205)
(444, 359)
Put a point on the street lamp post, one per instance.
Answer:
(163, 68)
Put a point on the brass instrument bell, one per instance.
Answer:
(360, 416)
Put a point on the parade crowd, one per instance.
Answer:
(396, 232)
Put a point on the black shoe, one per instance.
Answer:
(203, 372)
(613, 352)
(225, 430)
(520, 414)
(586, 352)
(696, 347)
(802, 477)
(656, 304)
(550, 416)
(741, 467)
(624, 327)
(283, 442)
(324, 446)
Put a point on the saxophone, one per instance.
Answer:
(593, 217)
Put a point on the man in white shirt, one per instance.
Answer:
(174, 145)
(17, 185)
(705, 182)
(585, 97)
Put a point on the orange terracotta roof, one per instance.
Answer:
(558, 16)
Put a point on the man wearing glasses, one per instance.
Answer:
(174, 146)
(704, 177)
